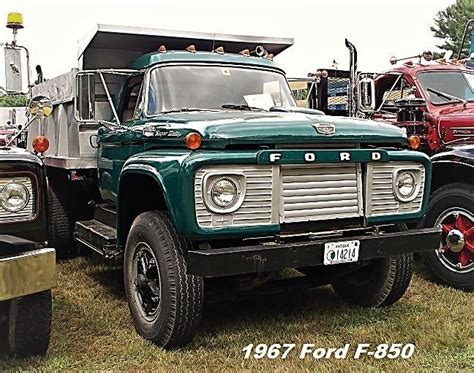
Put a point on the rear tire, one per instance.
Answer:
(4, 306)
(381, 283)
(164, 300)
(442, 266)
(60, 223)
(29, 324)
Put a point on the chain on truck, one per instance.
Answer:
(27, 264)
(184, 155)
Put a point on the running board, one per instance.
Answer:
(97, 236)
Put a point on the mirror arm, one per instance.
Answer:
(104, 84)
(28, 70)
(25, 127)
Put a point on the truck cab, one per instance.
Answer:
(184, 156)
(432, 101)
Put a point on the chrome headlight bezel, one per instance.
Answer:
(413, 173)
(25, 202)
(211, 180)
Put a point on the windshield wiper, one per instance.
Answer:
(447, 96)
(183, 110)
(242, 107)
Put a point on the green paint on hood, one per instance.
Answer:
(223, 128)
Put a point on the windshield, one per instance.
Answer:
(214, 87)
(448, 86)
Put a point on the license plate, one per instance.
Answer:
(341, 252)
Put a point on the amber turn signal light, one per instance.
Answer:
(193, 140)
(414, 142)
(40, 144)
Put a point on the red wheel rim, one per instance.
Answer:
(458, 223)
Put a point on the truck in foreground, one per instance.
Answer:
(185, 156)
(27, 264)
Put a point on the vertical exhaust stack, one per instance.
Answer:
(352, 94)
(466, 30)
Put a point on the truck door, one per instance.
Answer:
(116, 146)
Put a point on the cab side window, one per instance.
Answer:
(389, 94)
(132, 99)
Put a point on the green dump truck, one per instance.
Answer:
(185, 156)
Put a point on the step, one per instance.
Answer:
(97, 236)
(105, 214)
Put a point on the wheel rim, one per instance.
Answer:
(456, 251)
(146, 281)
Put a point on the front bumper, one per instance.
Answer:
(275, 257)
(27, 273)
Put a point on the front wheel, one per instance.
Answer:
(28, 325)
(452, 208)
(164, 300)
(380, 283)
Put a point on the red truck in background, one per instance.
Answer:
(433, 100)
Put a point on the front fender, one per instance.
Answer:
(164, 169)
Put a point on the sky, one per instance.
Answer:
(378, 28)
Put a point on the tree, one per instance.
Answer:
(450, 23)
(13, 101)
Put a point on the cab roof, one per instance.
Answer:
(417, 68)
(150, 59)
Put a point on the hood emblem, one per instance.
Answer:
(325, 128)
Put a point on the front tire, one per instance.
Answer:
(164, 300)
(29, 324)
(381, 283)
(452, 208)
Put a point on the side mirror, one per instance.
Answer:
(366, 96)
(13, 71)
(41, 107)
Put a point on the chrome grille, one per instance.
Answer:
(25, 214)
(380, 199)
(320, 192)
(256, 208)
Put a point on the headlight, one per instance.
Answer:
(224, 193)
(406, 185)
(14, 196)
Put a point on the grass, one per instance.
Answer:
(92, 329)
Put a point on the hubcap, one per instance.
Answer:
(455, 240)
(146, 281)
(456, 250)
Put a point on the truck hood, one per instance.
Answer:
(457, 109)
(223, 128)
